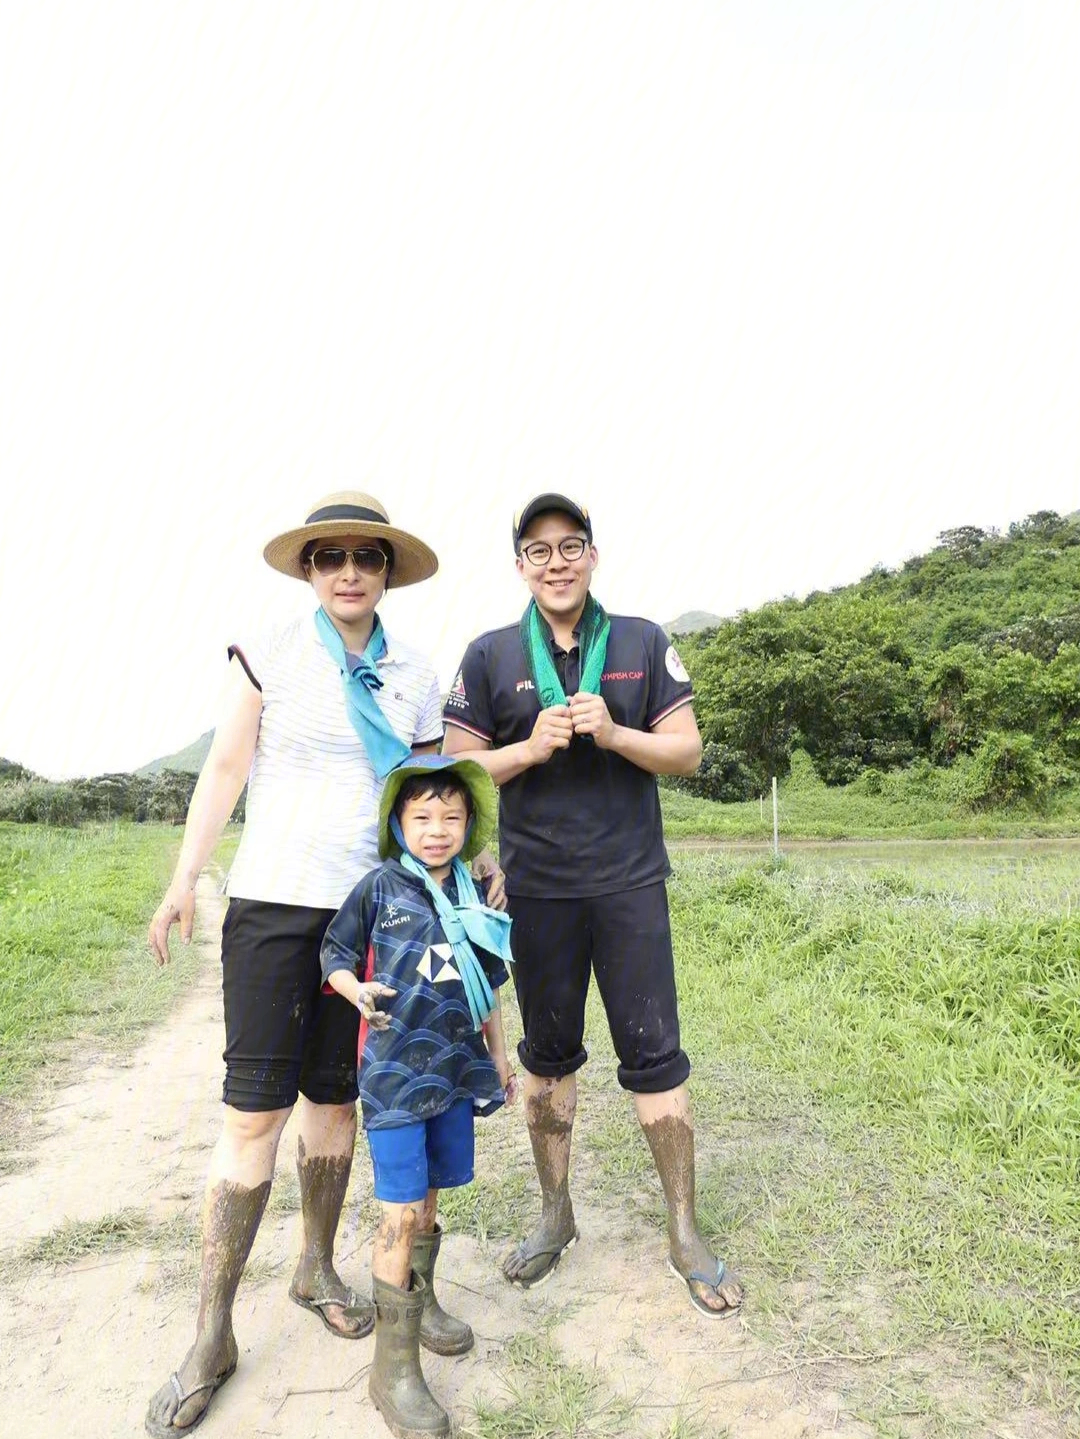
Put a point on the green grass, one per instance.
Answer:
(890, 1056)
(849, 812)
(546, 1397)
(74, 969)
(885, 1062)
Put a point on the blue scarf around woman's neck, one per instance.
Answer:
(360, 679)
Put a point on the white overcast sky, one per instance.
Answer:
(780, 288)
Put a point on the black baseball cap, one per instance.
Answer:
(541, 505)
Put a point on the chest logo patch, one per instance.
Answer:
(674, 665)
(523, 685)
(393, 917)
(436, 965)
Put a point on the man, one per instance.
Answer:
(574, 713)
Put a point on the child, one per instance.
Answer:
(431, 1051)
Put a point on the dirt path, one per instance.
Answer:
(83, 1345)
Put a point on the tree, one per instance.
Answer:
(964, 542)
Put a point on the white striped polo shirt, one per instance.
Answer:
(311, 830)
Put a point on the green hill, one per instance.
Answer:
(965, 659)
(186, 761)
(691, 621)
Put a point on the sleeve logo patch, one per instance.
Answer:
(674, 665)
(457, 697)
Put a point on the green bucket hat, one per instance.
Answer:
(477, 781)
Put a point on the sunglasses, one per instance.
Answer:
(368, 559)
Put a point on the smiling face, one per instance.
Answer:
(435, 828)
(558, 585)
(349, 595)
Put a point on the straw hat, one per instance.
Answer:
(349, 512)
(476, 779)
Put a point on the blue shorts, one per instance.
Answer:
(410, 1159)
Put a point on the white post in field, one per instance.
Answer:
(775, 822)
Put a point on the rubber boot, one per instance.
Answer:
(396, 1382)
(440, 1332)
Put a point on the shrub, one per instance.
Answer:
(1006, 767)
(723, 775)
(802, 775)
(40, 802)
(12, 773)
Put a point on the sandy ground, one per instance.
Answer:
(83, 1346)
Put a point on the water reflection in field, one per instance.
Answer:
(991, 874)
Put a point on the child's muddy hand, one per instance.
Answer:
(367, 999)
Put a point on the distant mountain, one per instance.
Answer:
(692, 620)
(188, 761)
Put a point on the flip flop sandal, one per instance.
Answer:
(353, 1307)
(170, 1430)
(711, 1281)
(553, 1257)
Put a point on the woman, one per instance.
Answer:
(315, 717)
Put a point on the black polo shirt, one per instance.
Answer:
(588, 821)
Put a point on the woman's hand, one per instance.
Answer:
(178, 905)
(491, 878)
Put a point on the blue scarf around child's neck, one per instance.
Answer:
(359, 679)
(469, 919)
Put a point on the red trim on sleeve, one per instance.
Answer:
(677, 705)
(469, 729)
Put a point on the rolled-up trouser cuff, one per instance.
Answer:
(658, 1078)
(258, 1089)
(551, 1068)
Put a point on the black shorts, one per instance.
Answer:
(283, 1036)
(625, 940)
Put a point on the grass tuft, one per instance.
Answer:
(548, 1397)
(77, 1238)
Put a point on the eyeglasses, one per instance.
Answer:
(367, 559)
(540, 552)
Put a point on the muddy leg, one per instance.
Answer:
(668, 1126)
(391, 1253)
(324, 1153)
(550, 1106)
(236, 1193)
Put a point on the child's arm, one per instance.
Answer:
(345, 939)
(364, 996)
(495, 1040)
